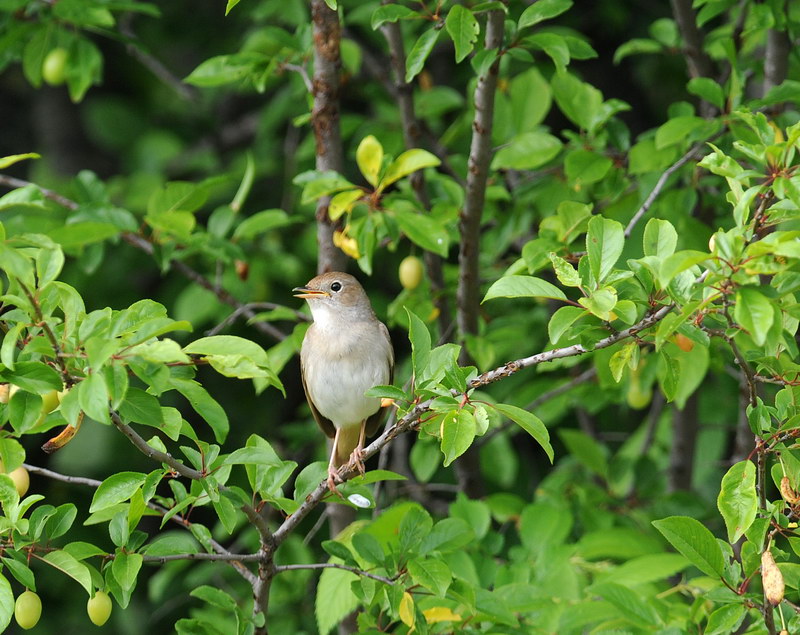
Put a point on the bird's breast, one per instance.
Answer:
(339, 368)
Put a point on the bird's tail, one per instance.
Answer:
(348, 440)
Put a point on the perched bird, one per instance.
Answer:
(345, 352)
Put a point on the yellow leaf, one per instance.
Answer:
(14, 158)
(440, 614)
(369, 157)
(407, 610)
(347, 244)
(343, 202)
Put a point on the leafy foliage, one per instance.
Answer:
(645, 260)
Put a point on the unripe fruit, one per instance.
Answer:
(28, 610)
(55, 66)
(99, 608)
(410, 272)
(50, 401)
(7, 391)
(712, 243)
(637, 396)
(22, 480)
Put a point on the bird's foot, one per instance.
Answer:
(333, 479)
(357, 460)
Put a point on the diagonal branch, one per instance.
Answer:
(410, 420)
(662, 181)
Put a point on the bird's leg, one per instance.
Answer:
(357, 457)
(333, 475)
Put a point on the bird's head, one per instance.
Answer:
(336, 293)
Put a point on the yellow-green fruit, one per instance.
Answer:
(22, 480)
(637, 396)
(28, 610)
(54, 68)
(99, 608)
(50, 401)
(410, 272)
(7, 391)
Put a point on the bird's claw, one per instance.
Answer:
(333, 479)
(357, 461)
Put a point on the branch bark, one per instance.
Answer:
(327, 35)
(411, 137)
(776, 59)
(698, 63)
(468, 294)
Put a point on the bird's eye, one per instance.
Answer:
(336, 286)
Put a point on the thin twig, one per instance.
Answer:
(154, 65)
(251, 306)
(559, 390)
(176, 518)
(300, 70)
(144, 245)
(662, 181)
(333, 565)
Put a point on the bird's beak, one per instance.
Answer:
(305, 292)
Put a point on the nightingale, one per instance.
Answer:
(345, 352)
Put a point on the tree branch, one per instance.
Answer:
(469, 225)
(327, 35)
(698, 63)
(333, 565)
(662, 181)
(411, 137)
(176, 518)
(776, 58)
(410, 419)
(250, 306)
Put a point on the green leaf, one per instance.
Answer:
(424, 231)
(738, 501)
(527, 151)
(10, 160)
(726, 619)
(390, 13)
(695, 542)
(387, 392)
(68, 565)
(257, 455)
(368, 547)
(141, 407)
(431, 573)
(530, 423)
(23, 575)
(419, 53)
(230, 5)
(463, 29)
(24, 410)
(369, 157)
(633, 608)
(260, 223)
(678, 130)
(93, 398)
(335, 599)
(420, 339)
(604, 242)
(753, 312)
(204, 405)
(523, 287)
(408, 162)
(116, 489)
(708, 89)
(458, 431)
(33, 377)
(6, 603)
(543, 10)
(601, 302)
(562, 319)
(555, 47)
(660, 238)
(126, 568)
(636, 46)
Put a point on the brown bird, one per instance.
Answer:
(345, 352)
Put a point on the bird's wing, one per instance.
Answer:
(374, 421)
(323, 422)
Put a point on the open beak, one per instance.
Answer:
(305, 292)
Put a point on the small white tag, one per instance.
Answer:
(359, 501)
